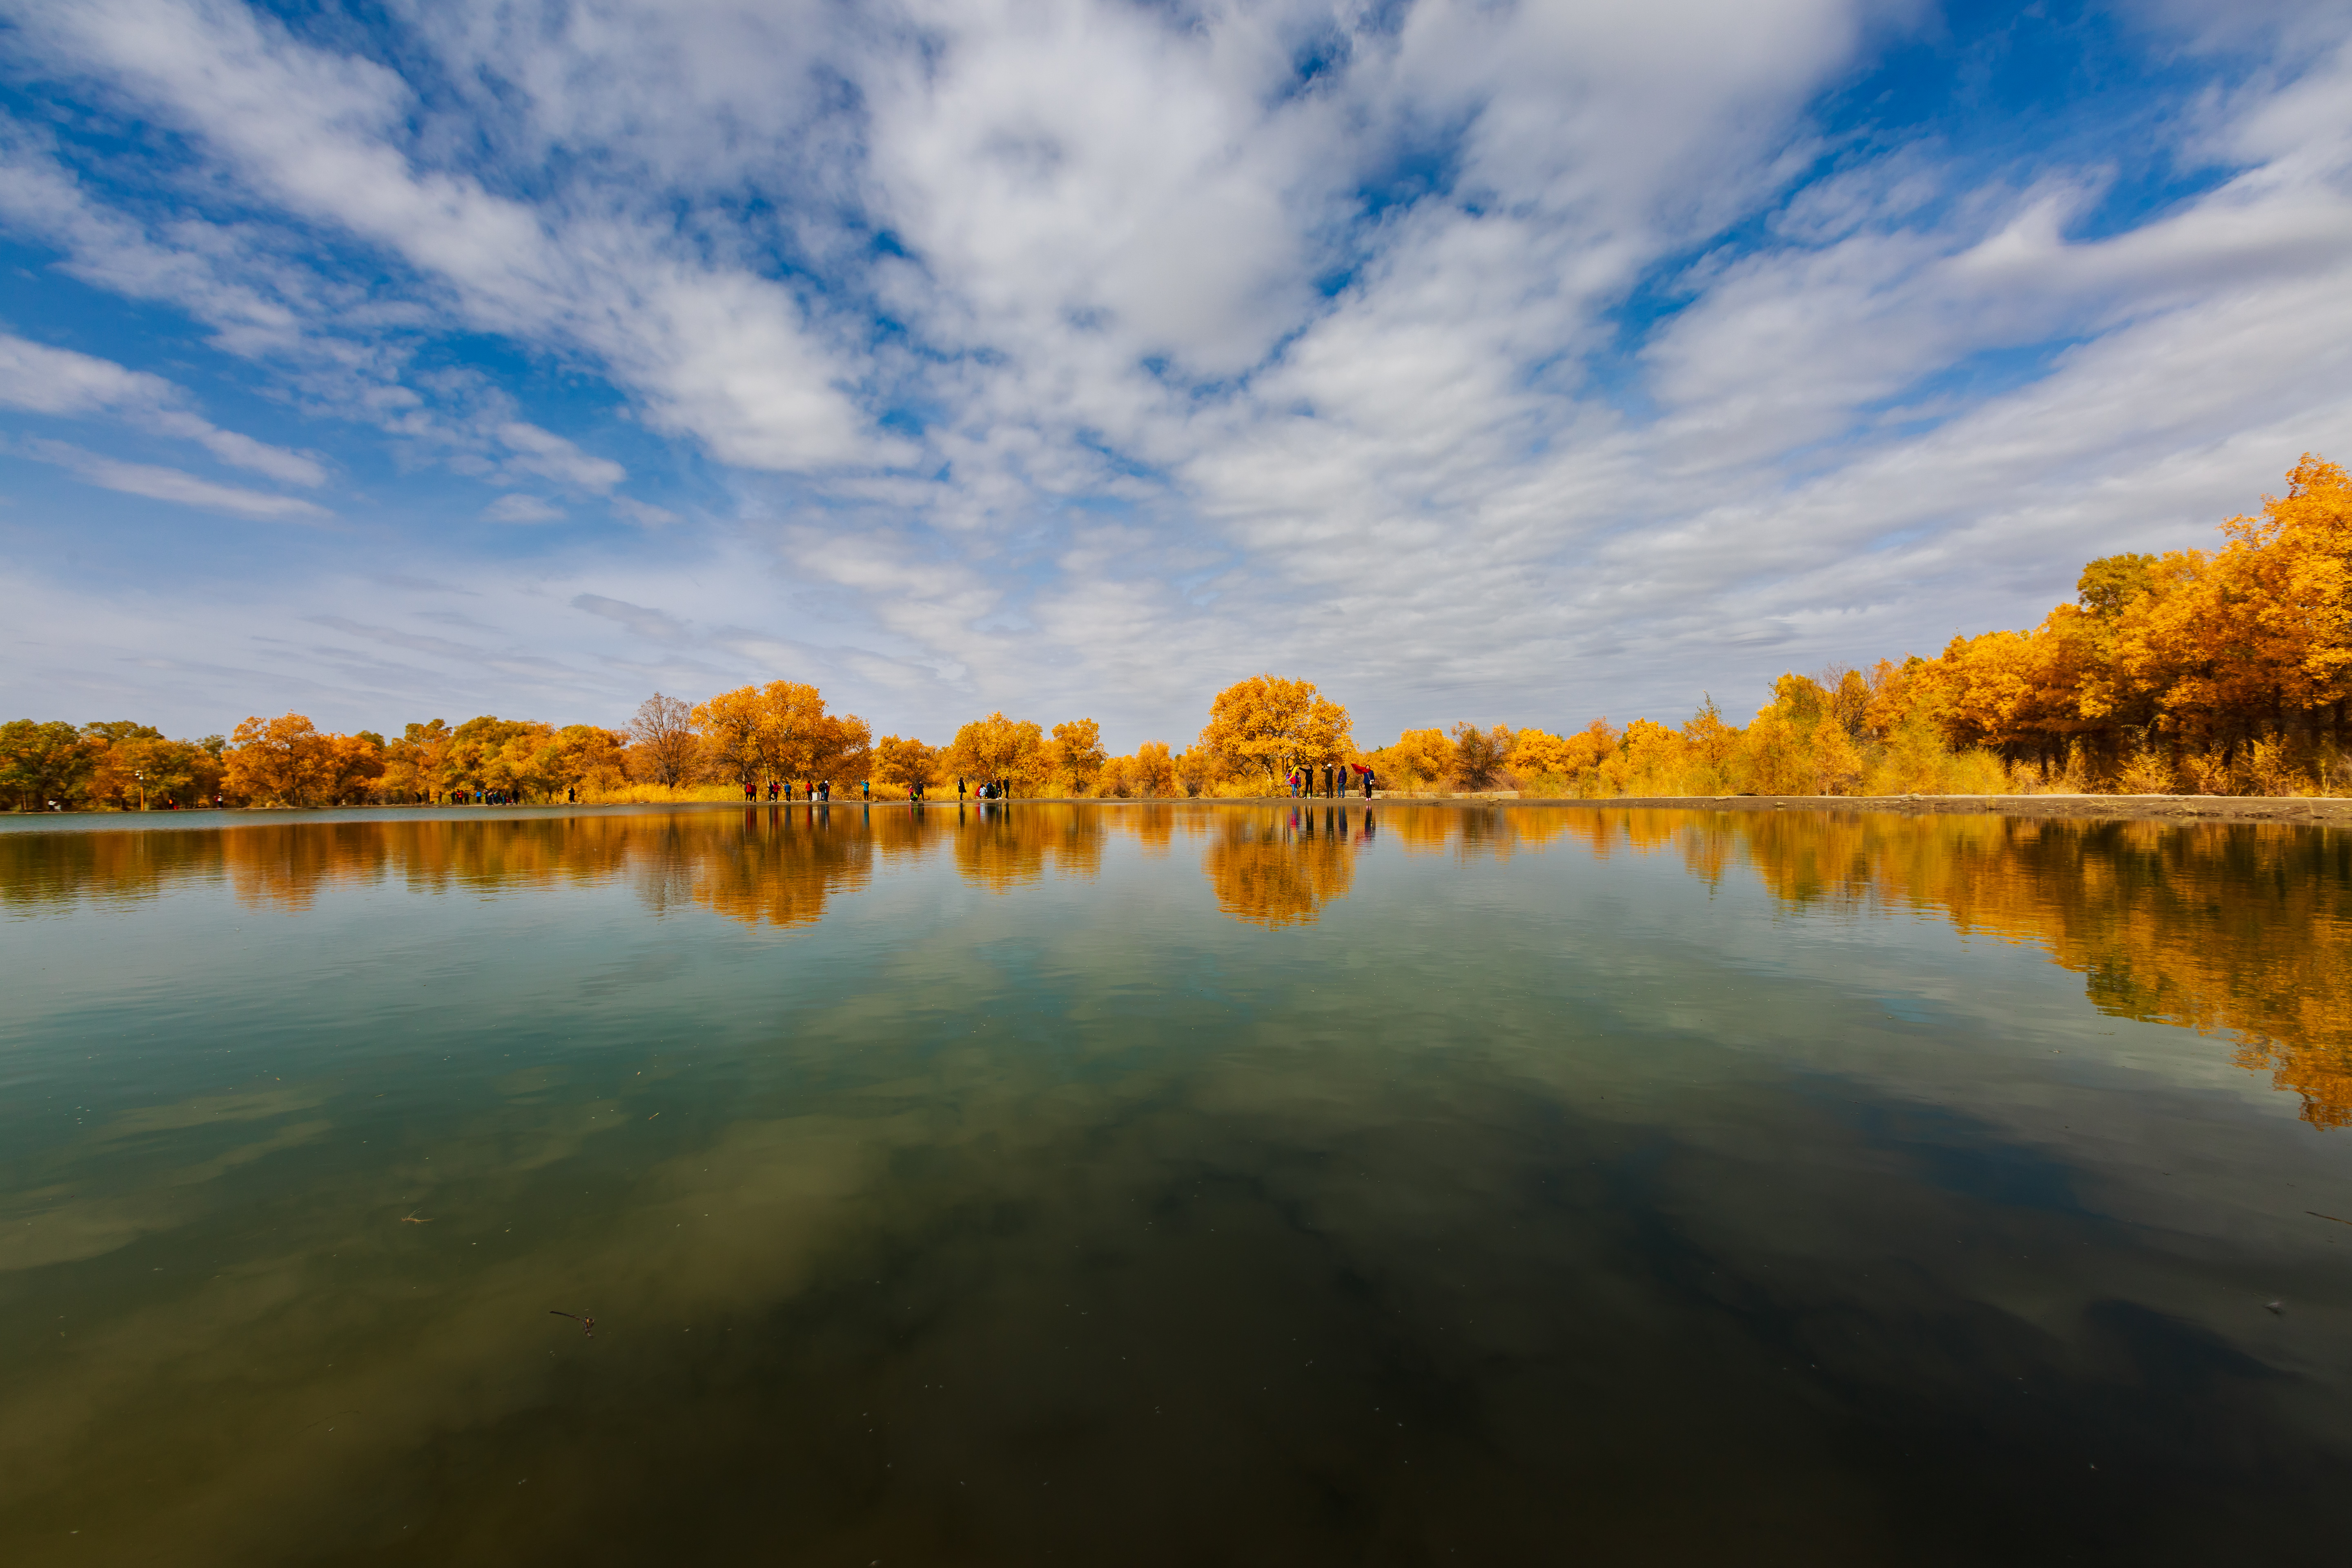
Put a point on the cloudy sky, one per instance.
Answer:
(393, 359)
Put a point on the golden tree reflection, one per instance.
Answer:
(2242, 930)
(777, 869)
(38, 870)
(1280, 868)
(1002, 847)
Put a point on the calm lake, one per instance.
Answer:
(1172, 1184)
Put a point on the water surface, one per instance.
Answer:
(1172, 1184)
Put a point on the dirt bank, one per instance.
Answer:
(2110, 807)
(2106, 807)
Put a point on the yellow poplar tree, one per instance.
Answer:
(1268, 726)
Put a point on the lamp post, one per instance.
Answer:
(142, 789)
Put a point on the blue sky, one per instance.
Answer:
(1515, 363)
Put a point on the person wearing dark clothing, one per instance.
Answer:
(824, 790)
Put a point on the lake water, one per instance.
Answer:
(1168, 1185)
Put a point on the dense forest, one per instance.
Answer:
(2210, 672)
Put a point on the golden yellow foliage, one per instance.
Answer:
(1076, 752)
(1266, 726)
(781, 731)
(1279, 873)
(288, 761)
(902, 763)
(1009, 752)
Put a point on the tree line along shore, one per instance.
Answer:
(2224, 672)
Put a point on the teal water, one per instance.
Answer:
(1171, 1185)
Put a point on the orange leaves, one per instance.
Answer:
(781, 730)
(288, 761)
(1266, 726)
(1011, 750)
(902, 764)
(2185, 663)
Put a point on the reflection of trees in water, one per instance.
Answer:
(2239, 929)
(1491, 831)
(1281, 868)
(1154, 827)
(765, 867)
(776, 867)
(43, 868)
(1002, 847)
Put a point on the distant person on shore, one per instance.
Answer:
(824, 790)
(958, 789)
(866, 786)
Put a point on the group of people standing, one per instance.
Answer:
(1335, 780)
(820, 791)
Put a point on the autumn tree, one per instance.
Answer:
(352, 765)
(1009, 750)
(2289, 572)
(1197, 770)
(1479, 755)
(737, 740)
(40, 762)
(288, 761)
(662, 733)
(416, 763)
(1709, 743)
(1153, 773)
(591, 757)
(781, 730)
(128, 763)
(902, 762)
(1268, 726)
(488, 752)
(274, 761)
(1077, 756)
(1414, 757)
(156, 771)
(1543, 761)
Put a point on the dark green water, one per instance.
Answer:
(1181, 1185)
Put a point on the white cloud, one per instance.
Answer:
(644, 515)
(45, 380)
(550, 456)
(720, 353)
(655, 625)
(172, 485)
(522, 509)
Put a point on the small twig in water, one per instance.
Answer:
(587, 1325)
(410, 1218)
(2317, 1214)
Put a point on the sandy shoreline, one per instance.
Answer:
(2307, 809)
(2109, 807)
